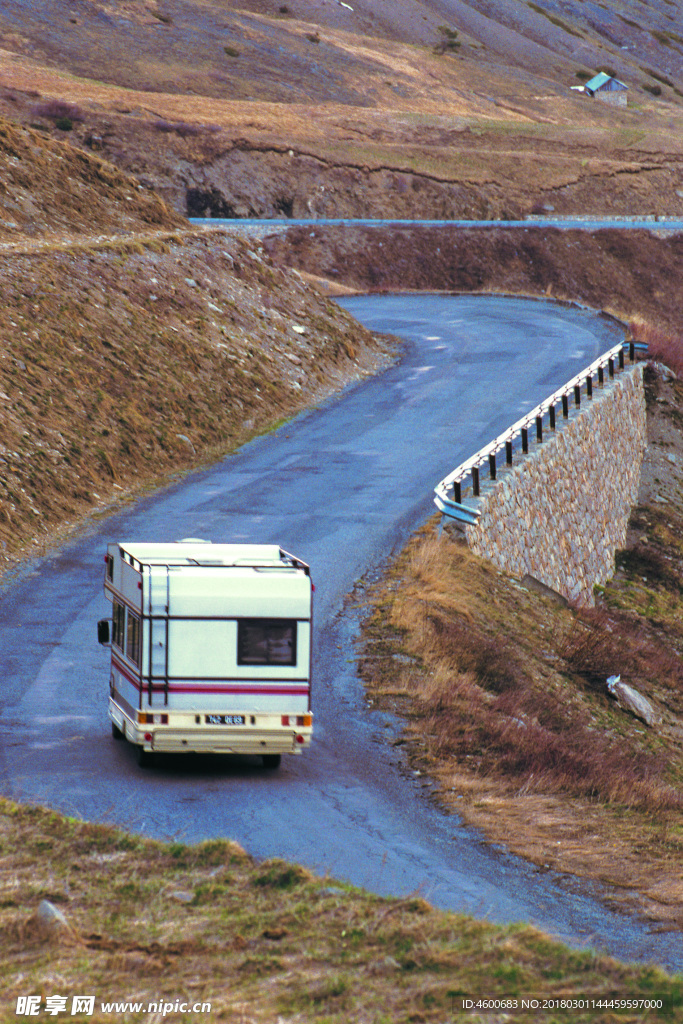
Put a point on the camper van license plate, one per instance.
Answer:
(224, 719)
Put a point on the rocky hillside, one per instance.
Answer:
(633, 273)
(123, 362)
(49, 188)
(308, 109)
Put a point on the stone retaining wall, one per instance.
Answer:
(561, 512)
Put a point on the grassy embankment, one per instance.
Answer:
(149, 922)
(504, 694)
(126, 361)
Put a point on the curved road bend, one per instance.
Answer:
(343, 487)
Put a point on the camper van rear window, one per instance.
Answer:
(266, 642)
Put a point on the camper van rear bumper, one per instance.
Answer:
(227, 741)
(180, 733)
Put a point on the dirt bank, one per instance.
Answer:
(50, 189)
(125, 362)
(633, 273)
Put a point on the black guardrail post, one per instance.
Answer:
(565, 406)
(589, 387)
(475, 481)
(492, 465)
(457, 492)
(577, 395)
(525, 440)
(601, 375)
(539, 429)
(551, 410)
(508, 452)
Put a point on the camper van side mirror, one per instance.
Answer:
(103, 631)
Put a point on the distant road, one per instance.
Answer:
(342, 487)
(583, 224)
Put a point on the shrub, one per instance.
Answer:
(58, 110)
(663, 346)
(184, 128)
(448, 41)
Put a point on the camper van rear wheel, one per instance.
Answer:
(145, 757)
(271, 760)
(116, 732)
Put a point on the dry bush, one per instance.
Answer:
(591, 650)
(663, 345)
(57, 110)
(539, 742)
(604, 643)
(647, 561)
(488, 659)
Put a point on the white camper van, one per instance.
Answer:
(210, 648)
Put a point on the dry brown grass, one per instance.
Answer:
(505, 701)
(664, 344)
(126, 361)
(397, 128)
(482, 698)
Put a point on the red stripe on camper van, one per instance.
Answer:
(236, 688)
(125, 671)
(286, 689)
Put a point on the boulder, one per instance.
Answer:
(629, 699)
(49, 923)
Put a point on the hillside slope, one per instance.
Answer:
(48, 188)
(417, 109)
(124, 362)
(134, 347)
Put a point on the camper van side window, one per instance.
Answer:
(133, 638)
(266, 642)
(118, 625)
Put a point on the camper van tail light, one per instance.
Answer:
(304, 720)
(285, 720)
(299, 738)
(148, 737)
(145, 718)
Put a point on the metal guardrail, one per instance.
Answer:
(449, 492)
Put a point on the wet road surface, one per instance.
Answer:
(342, 487)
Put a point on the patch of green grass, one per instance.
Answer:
(268, 939)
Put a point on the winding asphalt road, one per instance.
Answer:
(343, 487)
